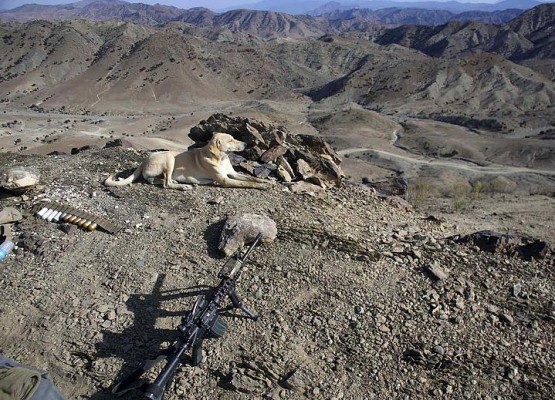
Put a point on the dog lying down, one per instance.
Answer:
(203, 166)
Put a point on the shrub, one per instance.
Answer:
(419, 192)
(460, 194)
(477, 189)
(501, 184)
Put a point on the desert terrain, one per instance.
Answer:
(464, 111)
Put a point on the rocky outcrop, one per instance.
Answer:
(274, 152)
(511, 244)
(397, 186)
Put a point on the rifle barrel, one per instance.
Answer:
(156, 390)
(251, 248)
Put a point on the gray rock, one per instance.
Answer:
(303, 187)
(283, 174)
(294, 380)
(507, 318)
(9, 215)
(437, 271)
(282, 162)
(19, 179)
(304, 168)
(243, 229)
(243, 383)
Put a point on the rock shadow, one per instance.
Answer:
(212, 236)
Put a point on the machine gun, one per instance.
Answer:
(203, 321)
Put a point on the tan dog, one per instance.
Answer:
(203, 166)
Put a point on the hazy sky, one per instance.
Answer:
(213, 4)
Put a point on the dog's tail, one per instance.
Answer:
(127, 181)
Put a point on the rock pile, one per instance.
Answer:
(397, 186)
(274, 152)
(510, 244)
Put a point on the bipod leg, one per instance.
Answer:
(237, 303)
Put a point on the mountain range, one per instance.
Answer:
(471, 70)
(385, 12)
(319, 7)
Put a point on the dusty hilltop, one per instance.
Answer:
(349, 307)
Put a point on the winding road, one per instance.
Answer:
(493, 169)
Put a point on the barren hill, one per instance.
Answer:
(529, 35)
(454, 38)
(130, 67)
(258, 23)
(420, 16)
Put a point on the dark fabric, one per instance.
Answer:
(45, 389)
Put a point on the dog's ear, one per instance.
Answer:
(219, 144)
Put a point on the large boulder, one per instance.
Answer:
(19, 179)
(243, 229)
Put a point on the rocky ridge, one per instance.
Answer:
(358, 299)
(265, 23)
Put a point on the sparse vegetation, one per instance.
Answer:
(460, 193)
(477, 189)
(420, 192)
(500, 184)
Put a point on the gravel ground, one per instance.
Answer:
(358, 299)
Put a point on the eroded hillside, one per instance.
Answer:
(127, 67)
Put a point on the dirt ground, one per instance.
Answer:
(349, 306)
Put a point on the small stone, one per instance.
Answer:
(303, 187)
(507, 318)
(470, 294)
(102, 308)
(217, 200)
(492, 308)
(359, 310)
(438, 350)
(68, 229)
(437, 271)
(107, 324)
(459, 303)
(243, 229)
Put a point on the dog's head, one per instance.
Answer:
(226, 142)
